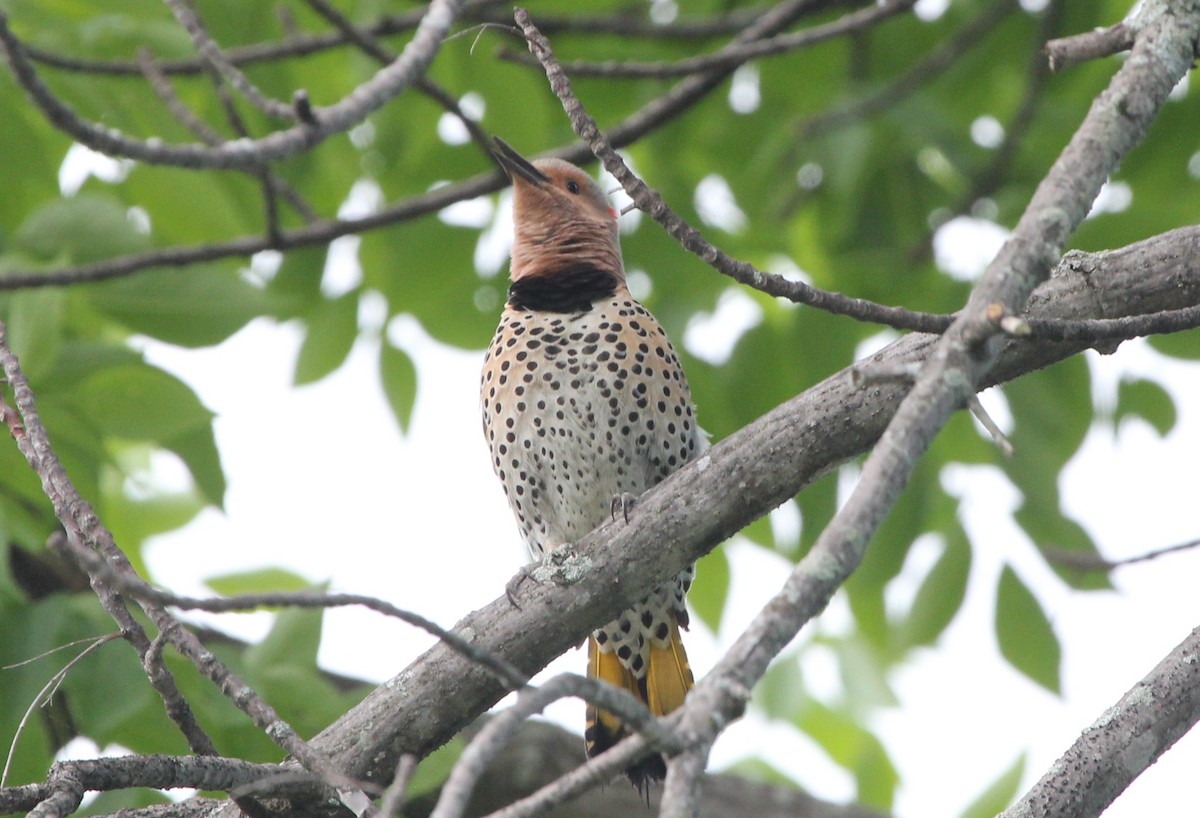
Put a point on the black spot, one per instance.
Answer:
(661, 631)
(624, 652)
(647, 619)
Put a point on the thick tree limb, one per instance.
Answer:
(543, 753)
(1124, 741)
(740, 479)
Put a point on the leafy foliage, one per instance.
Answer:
(850, 201)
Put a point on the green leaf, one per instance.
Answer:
(35, 328)
(711, 588)
(283, 668)
(781, 693)
(132, 520)
(856, 749)
(863, 670)
(1147, 400)
(88, 227)
(435, 768)
(1183, 345)
(999, 794)
(201, 306)
(941, 593)
(139, 402)
(1024, 634)
(197, 448)
(757, 769)
(398, 374)
(332, 330)
(262, 580)
(1052, 529)
(296, 285)
(292, 641)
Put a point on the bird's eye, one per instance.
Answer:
(572, 186)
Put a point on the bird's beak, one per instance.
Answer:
(517, 165)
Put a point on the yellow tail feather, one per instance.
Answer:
(603, 728)
(668, 679)
(669, 676)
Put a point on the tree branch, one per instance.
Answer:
(933, 65)
(1123, 742)
(368, 97)
(651, 116)
(86, 542)
(651, 202)
(740, 479)
(1066, 52)
(735, 55)
(1081, 561)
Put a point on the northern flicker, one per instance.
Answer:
(584, 401)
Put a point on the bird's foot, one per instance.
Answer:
(510, 588)
(622, 502)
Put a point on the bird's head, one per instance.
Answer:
(560, 215)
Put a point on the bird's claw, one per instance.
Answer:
(511, 587)
(622, 502)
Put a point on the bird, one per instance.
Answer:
(585, 405)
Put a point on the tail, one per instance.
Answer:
(662, 688)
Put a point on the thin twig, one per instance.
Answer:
(456, 792)
(370, 46)
(1067, 52)
(233, 775)
(961, 359)
(352, 109)
(137, 588)
(86, 541)
(25, 425)
(1084, 561)
(44, 695)
(595, 772)
(394, 796)
(985, 181)
(215, 58)
(933, 65)
(304, 44)
(650, 202)
(980, 414)
(734, 55)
